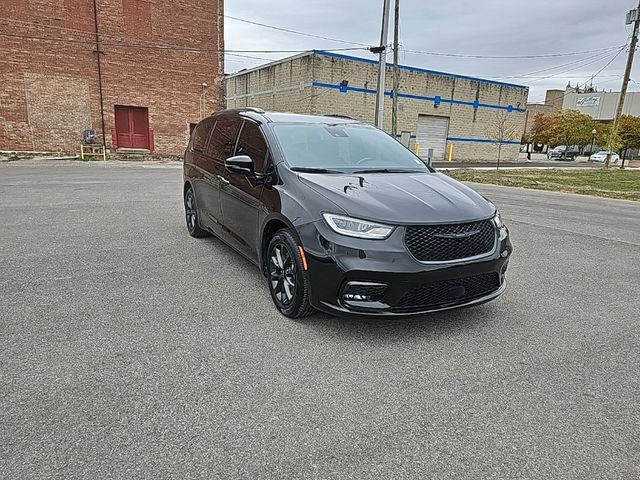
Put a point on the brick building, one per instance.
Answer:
(436, 109)
(552, 105)
(160, 69)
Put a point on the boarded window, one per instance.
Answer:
(137, 19)
(79, 15)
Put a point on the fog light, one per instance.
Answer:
(364, 291)
(505, 253)
(362, 298)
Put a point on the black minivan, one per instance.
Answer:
(340, 217)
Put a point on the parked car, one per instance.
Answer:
(601, 156)
(561, 152)
(340, 217)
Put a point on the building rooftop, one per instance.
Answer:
(324, 53)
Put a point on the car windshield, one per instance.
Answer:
(602, 152)
(344, 148)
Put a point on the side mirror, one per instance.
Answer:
(239, 164)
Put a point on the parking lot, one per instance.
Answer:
(130, 350)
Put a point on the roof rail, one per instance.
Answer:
(339, 115)
(253, 109)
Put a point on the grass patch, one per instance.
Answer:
(624, 184)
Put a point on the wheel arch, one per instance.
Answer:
(187, 185)
(272, 224)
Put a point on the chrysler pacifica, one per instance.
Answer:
(340, 217)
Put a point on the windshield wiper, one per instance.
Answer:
(314, 170)
(389, 170)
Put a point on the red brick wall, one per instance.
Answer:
(156, 54)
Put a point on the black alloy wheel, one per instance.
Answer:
(288, 281)
(191, 215)
(282, 274)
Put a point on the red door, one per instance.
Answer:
(132, 127)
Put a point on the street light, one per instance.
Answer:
(593, 139)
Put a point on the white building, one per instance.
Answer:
(600, 105)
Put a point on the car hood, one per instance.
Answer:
(401, 198)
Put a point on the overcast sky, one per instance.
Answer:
(480, 27)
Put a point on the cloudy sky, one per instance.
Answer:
(460, 27)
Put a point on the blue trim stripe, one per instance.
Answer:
(474, 140)
(436, 100)
(324, 53)
(481, 140)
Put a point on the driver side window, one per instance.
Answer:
(253, 144)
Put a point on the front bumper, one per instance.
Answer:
(402, 285)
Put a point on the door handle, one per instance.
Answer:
(222, 179)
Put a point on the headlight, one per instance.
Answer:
(502, 229)
(498, 219)
(354, 227)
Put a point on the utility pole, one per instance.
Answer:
(100, 92)
(396, 71)
(633, 16)
(381, 50)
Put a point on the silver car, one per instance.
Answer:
(601, 156)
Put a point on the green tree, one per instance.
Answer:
(629, 132)
(542, 128)
(572, 127)
(605, 134)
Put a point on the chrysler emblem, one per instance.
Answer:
(457, 235)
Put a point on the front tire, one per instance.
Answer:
(288, 282)
(191, 215)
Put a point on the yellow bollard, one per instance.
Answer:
(417, 149)
(451, 152)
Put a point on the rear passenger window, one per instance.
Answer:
(223, 139)
(200, 135)
(253, 144)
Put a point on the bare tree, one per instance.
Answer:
(502, 130)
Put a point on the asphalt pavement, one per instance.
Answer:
(130, 350)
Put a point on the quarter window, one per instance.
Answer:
(200, 135)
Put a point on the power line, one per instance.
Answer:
(573, 62)
(248, 56)
(160, 46)
(546, 55)
(580, 66)
(294, 32)
(421, 52)
(595, 74)
(608, 63)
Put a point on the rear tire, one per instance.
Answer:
(287, 280)
(191, 215)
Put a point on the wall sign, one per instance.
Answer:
(588, 101)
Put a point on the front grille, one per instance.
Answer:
(441, 243)
(447, 292)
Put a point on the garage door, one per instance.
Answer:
(431, 134)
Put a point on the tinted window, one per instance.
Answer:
(253, 144)
(344, 147)
(223, 139)
(200, 135)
